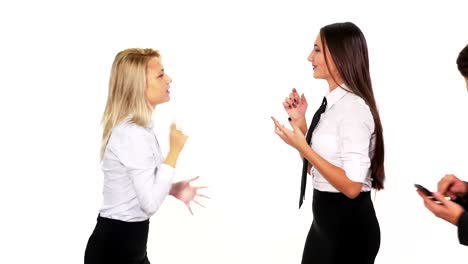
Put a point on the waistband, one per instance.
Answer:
(111, 221)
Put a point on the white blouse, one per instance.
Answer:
(135, 179)
(345, 137)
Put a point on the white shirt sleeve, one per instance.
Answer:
(354, 133)
(152, 184)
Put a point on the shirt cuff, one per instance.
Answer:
(165, 173)
(463, 229)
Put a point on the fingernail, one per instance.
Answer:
(289, 119)
(295, 100)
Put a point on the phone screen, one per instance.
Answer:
(423, 190)
(426, 192)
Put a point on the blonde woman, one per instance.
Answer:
(137, 177)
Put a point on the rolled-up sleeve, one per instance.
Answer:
(355, 132)
(151, 182)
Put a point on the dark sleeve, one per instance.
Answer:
(464, 201)
(463, 229)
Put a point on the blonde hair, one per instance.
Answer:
(127, 87)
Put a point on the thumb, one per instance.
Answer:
(295, 129)
(303, 99)
(439, 197)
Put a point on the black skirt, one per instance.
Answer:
(115, 241)
(344, 230)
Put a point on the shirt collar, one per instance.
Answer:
(336, 95)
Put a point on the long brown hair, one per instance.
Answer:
(348, 49)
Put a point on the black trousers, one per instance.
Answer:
(344, 230)
(115, 241)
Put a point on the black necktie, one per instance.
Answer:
(305, 165)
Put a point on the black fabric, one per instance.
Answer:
(305, 162)
(115, 241)
(344, 230)
(463, 229)
(462, 224)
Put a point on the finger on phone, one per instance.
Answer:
(444, 184)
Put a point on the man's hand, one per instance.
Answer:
(447, 210)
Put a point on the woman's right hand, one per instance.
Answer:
(295, 105)
(177, 141)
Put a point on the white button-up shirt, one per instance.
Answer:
(135, 179)
(345, 137)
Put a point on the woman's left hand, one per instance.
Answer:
(295, 138)
(186, 193)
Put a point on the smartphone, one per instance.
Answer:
(423, 190)
(426, 192)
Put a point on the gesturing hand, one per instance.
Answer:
(177, 139)
(295, 138)
(295, 105)
(186, 193)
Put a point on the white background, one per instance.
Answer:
(232, 64)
